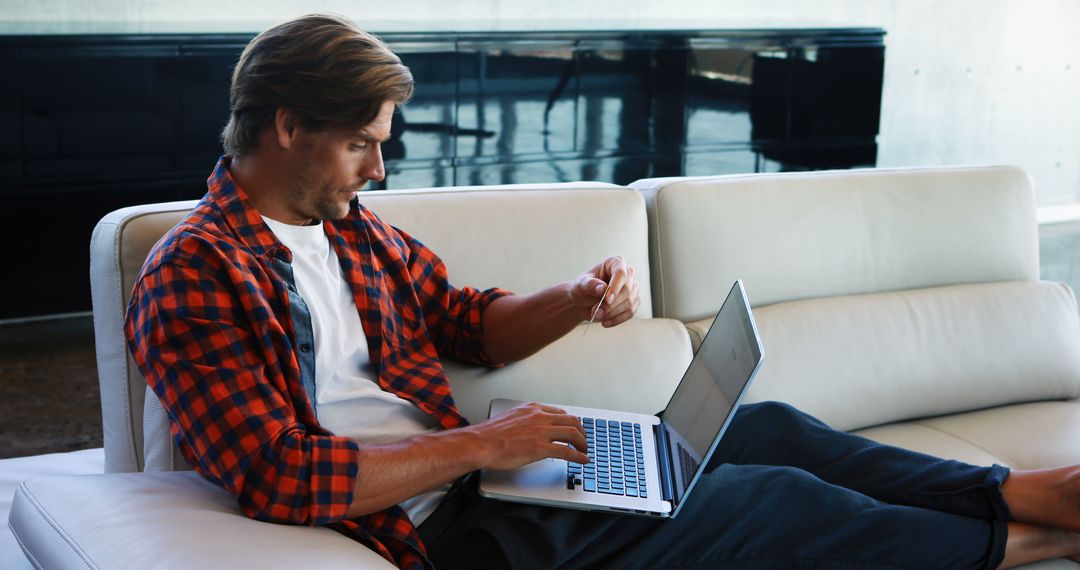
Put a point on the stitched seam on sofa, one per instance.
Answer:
(503, 188)
(52, 524)
(968, 441)
(25, 549)
(128, 417)
(659, 258)
(902, 170)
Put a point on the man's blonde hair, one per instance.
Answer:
(321, 67)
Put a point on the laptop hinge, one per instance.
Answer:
(664, 463)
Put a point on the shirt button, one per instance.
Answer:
(292, 288)
(305, 347)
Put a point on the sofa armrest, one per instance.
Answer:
(163, 520)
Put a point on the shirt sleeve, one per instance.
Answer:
(453, 316)
(224, 390)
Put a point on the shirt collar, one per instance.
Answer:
(240, 215)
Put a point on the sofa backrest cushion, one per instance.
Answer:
(633, 367)
(863, 360)
(818, 234)
(524, 237)
(520, 237)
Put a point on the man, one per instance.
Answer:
(295, 340)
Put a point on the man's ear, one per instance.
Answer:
(285, 126)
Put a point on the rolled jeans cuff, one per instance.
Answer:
(995, 478)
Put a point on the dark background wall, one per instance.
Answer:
(92, 123)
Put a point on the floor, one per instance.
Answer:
(49, 399)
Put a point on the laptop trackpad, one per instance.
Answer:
(543, 474)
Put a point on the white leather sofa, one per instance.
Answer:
(904, 305)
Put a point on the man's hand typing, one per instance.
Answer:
(529, 432)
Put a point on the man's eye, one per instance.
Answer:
(358, 146)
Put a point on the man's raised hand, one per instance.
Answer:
(622, 299)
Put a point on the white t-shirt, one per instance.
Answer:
(348, 401)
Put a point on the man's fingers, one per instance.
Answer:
(567, 420)
(618, 275)
(548, 408)
(596, 287)
(623, 310)
(568, 435)
(568, 453)
(559, 416)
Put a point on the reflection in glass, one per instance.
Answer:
(727, 161)
(520, 98)
(719, 94)
(426, 125)
(616, 95)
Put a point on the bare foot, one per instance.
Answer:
(1047, 497)
(1028, 543)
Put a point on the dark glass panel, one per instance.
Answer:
(92, 112)
(821, 156)
(54, 223)
(615, 170)
(669, 82)
(632, 102)
(614, 106)
(424, 128)
(539, 172)
(10, 121)
(720, 89)
(719, 161)
(406, 175)
(206, 73)
(836, 92)
(516, 99)
(770, 96)
(130, 118)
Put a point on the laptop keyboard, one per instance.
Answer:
(617, 465)
(689, 466)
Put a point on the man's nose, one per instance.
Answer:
(373, 168)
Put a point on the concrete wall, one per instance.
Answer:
(966, 81)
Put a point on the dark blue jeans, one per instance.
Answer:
(782, 491)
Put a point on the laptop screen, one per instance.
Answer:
(723, 365)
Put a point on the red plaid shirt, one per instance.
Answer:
(209, 326)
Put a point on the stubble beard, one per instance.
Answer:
(329, 206)
(319, 200)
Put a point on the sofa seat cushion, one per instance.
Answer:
(179, 520)
(164, 520)
(16, 470)
(857, 361)
(1034, 435)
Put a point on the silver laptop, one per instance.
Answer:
(642, 464)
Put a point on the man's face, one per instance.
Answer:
(330, 166)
